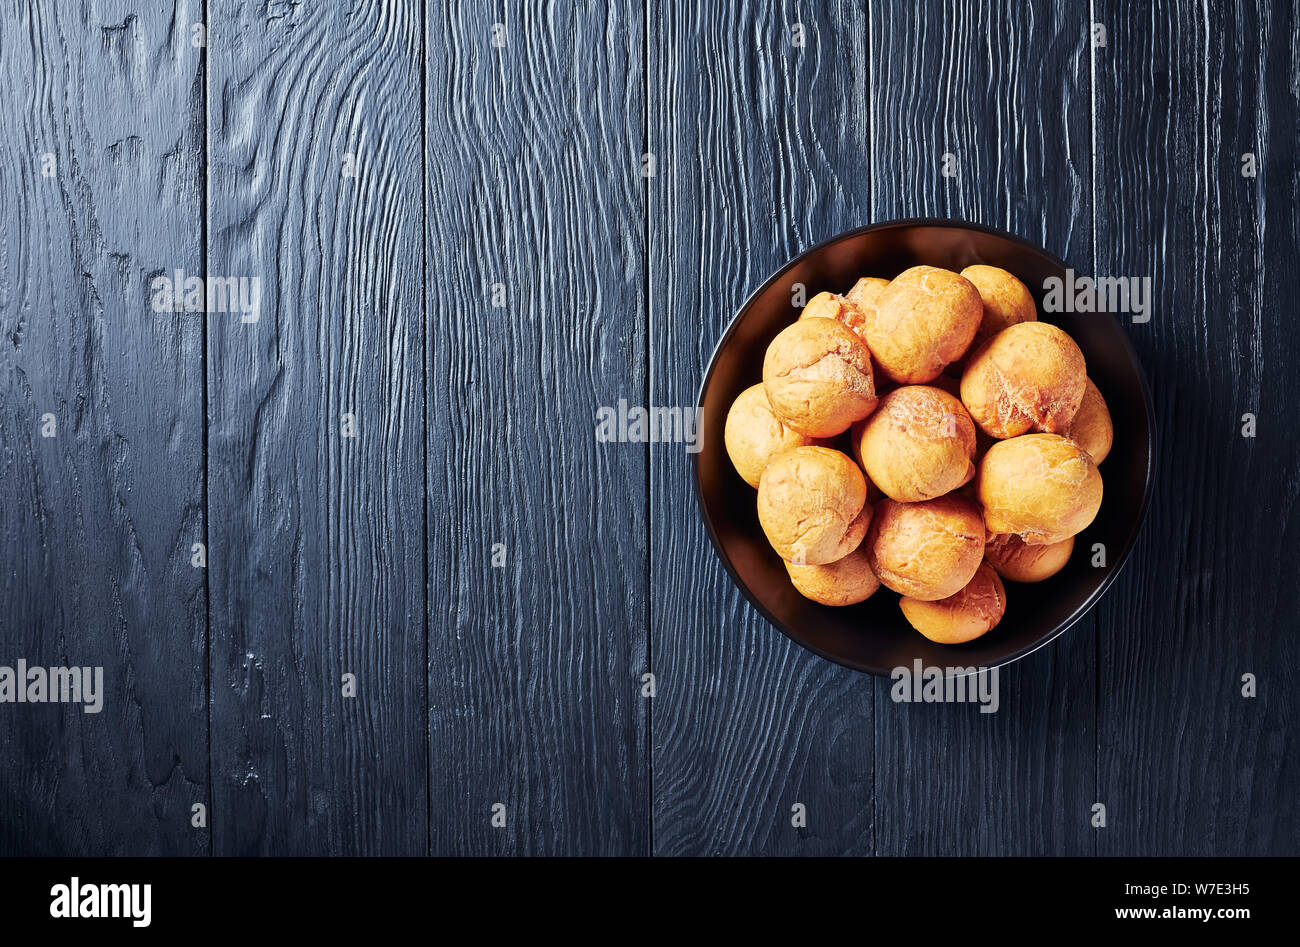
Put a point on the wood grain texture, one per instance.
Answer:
(317, 538)
(518, 164)
(533, 162)
(1003, 88)
(95, 545)
(762, 151)
(1188, 765)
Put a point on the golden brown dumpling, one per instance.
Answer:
(1007, 301)
(754, 434)
(1042, 487)
(845, 581)
(817, 375)
(926, 550)
(1091, 428)
(924, 319)
(865, 291)
(1017, 561)
(812, 505)
(963, 616)
(1030, 377)
(918, 444)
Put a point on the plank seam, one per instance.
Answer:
(207, 582)
(424, 366)
(649, 520)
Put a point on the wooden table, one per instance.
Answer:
(463, 252)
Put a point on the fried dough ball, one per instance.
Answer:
(754, 434)
(1042, 487)
(926, 550)
(1017, 561)
(817, 375)
(918, 444)
(1007, 301)
(963, 616)
(865, 291)
(924, 319)
(812, 505)
(845, 581)
(1091, 428)
(874, 493)
(831, 306)
(1030, 376)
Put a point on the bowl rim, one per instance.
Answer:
(952, 223)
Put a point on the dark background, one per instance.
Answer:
(521, 165)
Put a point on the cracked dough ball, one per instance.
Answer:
(1017, 561)
(846, 581)
(918, 444)
(963, 616)
(1042, 487)
(812, 505)
(920, 322)
(754, 434)
(1091, 428)
(831, 306)
(817, 375)
(926, 550)
(1007, 301)
(1027, 377)
(865, 291)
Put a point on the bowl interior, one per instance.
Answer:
(874, 636)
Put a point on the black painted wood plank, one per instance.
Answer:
(762, 150)
(534, 195)
(1189, 766)
(1002, 88)
(100, 189)
(317, 567)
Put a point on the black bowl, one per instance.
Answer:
(874, 636)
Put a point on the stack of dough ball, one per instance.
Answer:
(963, 616)
(812, 505)
(928, 550)
(1091, 428)
(920, 322)
(1007, 301)
(973, 481)
(845, 581)
(817, 374)
(1017, 561)
(917, 444)
(1042, 487)
(1027, 377)
(754, 434)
